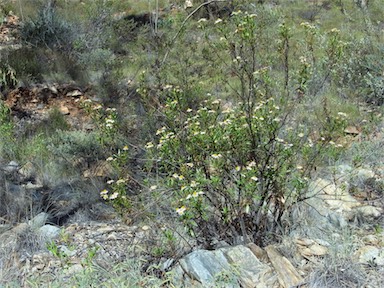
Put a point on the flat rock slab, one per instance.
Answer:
(286, 273)
(227, 267)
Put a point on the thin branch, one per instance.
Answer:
(183, 24)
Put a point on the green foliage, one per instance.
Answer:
(25, 62)
(7, 77)
(235, 169)
(106, 120)
(117, 193)
(69, 146)
(55, 250)
(7, 137)
(48, 29)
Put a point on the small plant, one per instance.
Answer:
(91, 254)
(7, 136)
(117, 194)
(8, 77)
(48, 29)
(55, 250)
(106, 121)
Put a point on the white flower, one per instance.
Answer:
(254, 178)
(153, 187)
(109, 159)
(301, 135)
(120, 181)
(218, 21)
(216, 156)
(113, 196)
(342, 114)
(181, 210)
(110, 181)
(104, 194)
(149, 145)
(161, 130)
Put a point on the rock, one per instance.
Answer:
(337, 220)
(74, 269)
(251, 270)
(188, 4)
(11, 167)
(369, 211)
(65, 251)
(259, 252)
(49, 232)
(28, 171)
(64, 110)
(336, 198)
(286, 273)
(238, 265)
(74, 93)
(371, 255)
(352, 130)
(314, 250)
(38, 221)
(31, 186)
(53, 89)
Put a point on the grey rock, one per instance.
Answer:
(337, 220)
(204, 266)
(74, 93)
(370, 255)
(39, 220)
(11, 167)
(66, 251)
(49, 232)
(286, 273)
(28, 171)
(369, 211)
(227, 267)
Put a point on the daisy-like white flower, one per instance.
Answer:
(104, 194)
(120, 181)
(197, 193)
(113, 196)
(181, 210)
(216, 156)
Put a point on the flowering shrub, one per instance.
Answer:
(116, 193)
(233, 172)
(235, 169)
(105, 119)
